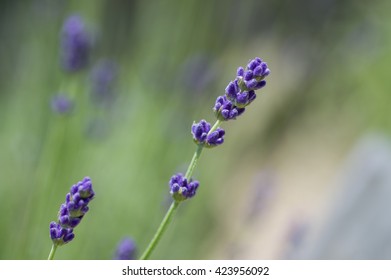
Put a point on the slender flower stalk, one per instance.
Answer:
(238, 94)
(159, 233)
(52, 252)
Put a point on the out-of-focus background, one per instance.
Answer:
(305, 173)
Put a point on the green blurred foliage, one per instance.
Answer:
(329, 62)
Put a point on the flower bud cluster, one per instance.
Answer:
(72, 211)
(241, 92)
(202, 135)
(181, 188)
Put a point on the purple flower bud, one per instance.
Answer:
(216, 137)
(248, 75)
(68, 236)
(225, 110)
(63, 210)
(258, 71)
(260, 85)
(200, 131)
(60, 235)
(253, 64)
(74, 189)
(232, 89)
(175, 187)
(53, 230)
(180, 189)
(76, 197)
(202, 135)
(61, 104)
(251, 84)
(240, 72)
(75, 44)
(126, 250)
(192, 188)
(71, 205)
(74, 222)
(245, 98)
(261, 70)
(63, 220)
(85, 188)
(242, 98)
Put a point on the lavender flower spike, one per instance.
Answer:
(75, 44)
(202, 136)
(181, 189)
(72, 211)
(126, 250)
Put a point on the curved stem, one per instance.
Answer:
(197, 153)
(193, 162)
(52, 252)
(167, 218)
(163, 226)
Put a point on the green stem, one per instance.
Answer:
(52, 252)
(167, 218)
(216, 124)
(193, 162)
(163, 226)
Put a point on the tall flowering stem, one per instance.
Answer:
(159, 233)
(238, 94)
(193, 162)
(52, 252)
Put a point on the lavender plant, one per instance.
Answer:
(70, 214)
(75, 48)
(238, 95)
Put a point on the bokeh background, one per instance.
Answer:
(305, 173)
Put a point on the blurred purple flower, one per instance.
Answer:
(103, 77)
(126, 249)
(75, 44)
(61, 104)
